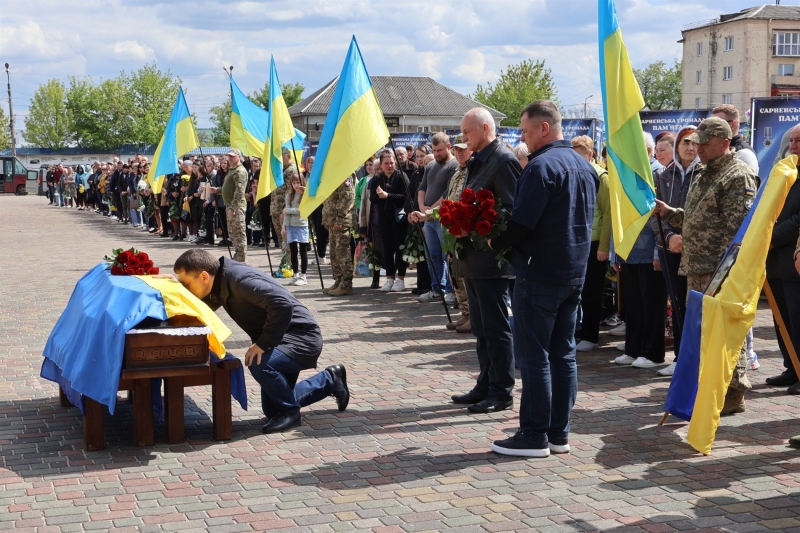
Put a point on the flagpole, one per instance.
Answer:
(310, 222)
(787, 339)
(422, 234)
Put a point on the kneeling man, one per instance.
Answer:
(286, 338)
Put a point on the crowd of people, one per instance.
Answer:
(558, 285)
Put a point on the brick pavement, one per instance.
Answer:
(401, 459)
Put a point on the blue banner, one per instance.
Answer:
(414, 139)
(574, 127)
(511, 136)
(772, 119)
(671, 119)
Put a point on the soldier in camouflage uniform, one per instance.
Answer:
(716, 206)
(278, 196)
(338, 216)
(454, 189)
(233, 190)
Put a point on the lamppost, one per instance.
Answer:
(584, 105)
(11, 115)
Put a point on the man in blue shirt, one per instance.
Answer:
(550, 233)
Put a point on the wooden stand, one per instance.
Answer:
(218, 375)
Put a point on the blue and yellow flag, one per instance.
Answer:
(297, 145)
(279, 131)
(179, 139)
(630, 179)
(249, 123)
(715, 326)
(354, 130)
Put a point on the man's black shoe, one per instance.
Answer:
(470, 398)
(282, 422)
(787, 378)
(340, 390)
(794, 389)
(490, 405)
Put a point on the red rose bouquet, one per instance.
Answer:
(130, 263)
(479, 214)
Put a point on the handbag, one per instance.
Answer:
(133, 203)
(361, 261)
(186, 211)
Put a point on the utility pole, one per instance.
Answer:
(584, 105)
(11, 116)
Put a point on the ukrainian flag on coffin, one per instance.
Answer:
(84, 352)
(179, 139)
(630, 179)
(249, 123)
(716, 324)
(354, 130)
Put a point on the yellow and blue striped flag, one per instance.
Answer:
(630, 179)
(249, 123)
(297, 145)
(279, 131)
(179, 139)
(354, 130)
(716, 325)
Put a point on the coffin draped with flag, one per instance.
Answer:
(715, 326)
(84, 352)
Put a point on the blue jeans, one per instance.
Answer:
(136, 217)
(280, 393)
(437, 266)
(544, 349)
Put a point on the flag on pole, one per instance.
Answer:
(630, 179)
(279, 130)
(249, 123)
(297, 144)
(716, 325)
(354, 130)
(179, 138)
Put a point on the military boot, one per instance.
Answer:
(341, 290)
(331, 288)
(734, 402)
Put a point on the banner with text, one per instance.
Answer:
(772, 119)
(671, 119)
(414, 139)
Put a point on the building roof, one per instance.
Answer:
(398, 96)
(764, 12)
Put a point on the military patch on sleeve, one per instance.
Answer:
(750, 196)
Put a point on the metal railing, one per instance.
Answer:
(700, 24)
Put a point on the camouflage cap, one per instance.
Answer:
(459, 142)
(711, 127)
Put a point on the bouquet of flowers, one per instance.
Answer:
(374, 259)
(479, 214)
(130, 263)
(413, 249)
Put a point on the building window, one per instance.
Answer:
(423, 129)
(727, 99)
(728, 44)
(699, 77)
(699, 49)
(785, 69)
(786, 44)
(727, 73)
(698, 103)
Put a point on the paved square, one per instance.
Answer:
(401, 459)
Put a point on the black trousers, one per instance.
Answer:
(787, 296)
(266, 220)
(669, 264)
(223, 221)
(165, 225)
(320, 232)
(303, 247)
(592, 295)
(393, 235)
(210, 212)
(645, 296)
(488, 316)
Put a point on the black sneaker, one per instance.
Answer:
(521, 446)
(787, 378)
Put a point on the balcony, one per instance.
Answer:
(786, 81)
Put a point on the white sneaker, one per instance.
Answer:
(558, 448)
(586, 346)
(398, 286)
(624, 360)
(612, 321)
(293, 281)
(752, 361)
(618, 331)
(324, 261)
(388, 285)
(667, 370)
(621, 347)
(429, 297)
(301, 280)
(191, 238)
(643, 362)
(450, 298)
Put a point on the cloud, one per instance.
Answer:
(132, 51)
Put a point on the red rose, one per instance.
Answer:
(140, 271)
(123, 257)
(485, 194)
(134, 262)
(152, 271)
(446, 220)
(487, 204)
(468, 196)
(130, 271)
(443, 211)
(490, 215)
(447, 204)
(147, 265)
(143, 256)
(473, 211)
(117, 271)
(484, 227)
(455, 229)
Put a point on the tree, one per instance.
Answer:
(517, 87)
(661, 86)
(221, 120)
(48, 124)
(292, 93)
(152, 96)
(5, 128)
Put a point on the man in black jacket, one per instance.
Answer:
(494, 167)
(783, 278)
(286, 338)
